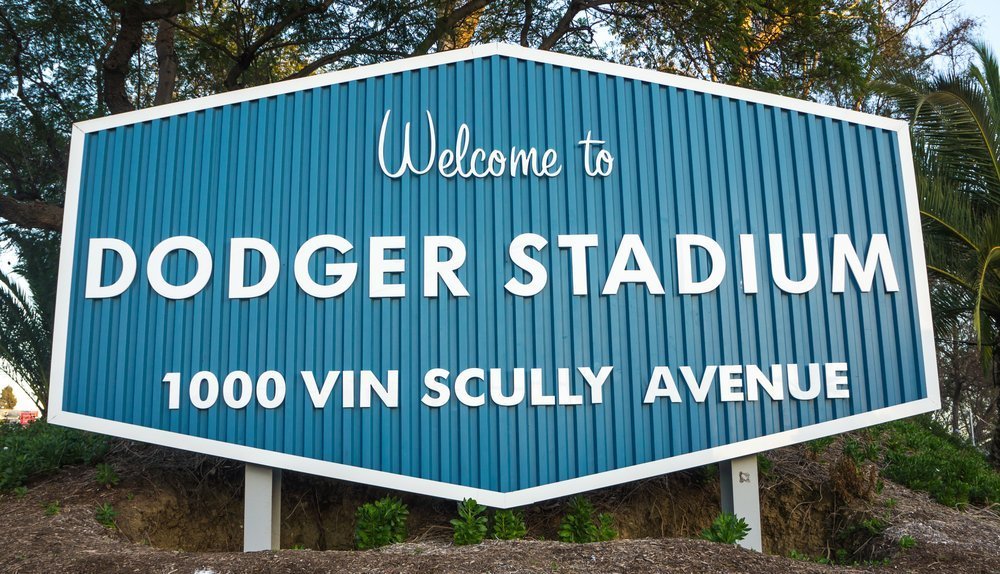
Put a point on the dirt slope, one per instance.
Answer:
(72, 541)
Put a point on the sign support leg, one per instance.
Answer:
(261, 508)
(741, 496)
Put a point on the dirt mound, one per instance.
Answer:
(183, 502)
(182, 513)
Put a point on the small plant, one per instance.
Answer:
(860, 451)
(106, 476)
(298, 547)
(873, 525)
(578, 525)
(106, 515)
(52, 508)
(796, 555)
(726, 528)
(842, 556)
(509, 525)
(816, 447)
(380, 523)
(470, 526)
(606, 527)
(765, 465)
(906, 542)
(891, 503)
(21, 491)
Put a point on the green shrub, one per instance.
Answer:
(861, 451)
(509, 525)
(470, 526)
(21, 491)
(606, 527)
(106, 515)
(922, 455)
(906, 542)
(816, 447)
(764, 465)
(578, 525)
(801, 557)
(873, 526)
(380, 523)
(52, 508)
(40, 448)
(726, 528)
(106, 476)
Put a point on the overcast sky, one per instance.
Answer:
(988, 14)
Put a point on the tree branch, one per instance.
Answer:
(526, 26)
(352, 49)
(44, 129)
(31, 214)
(166, 62)
(246, 56)
(133, 15)
(446, 23)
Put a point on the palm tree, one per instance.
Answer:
(27, 308)
(955, 122)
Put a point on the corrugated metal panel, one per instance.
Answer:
(293, 166)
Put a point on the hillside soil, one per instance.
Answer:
(180, 513)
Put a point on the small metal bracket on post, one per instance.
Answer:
(261, 508)
(741, 496)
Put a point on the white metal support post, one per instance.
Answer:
(741, 496)
(261, 508)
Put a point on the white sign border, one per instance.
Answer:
(57, 415)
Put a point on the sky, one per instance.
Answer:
(988, 14)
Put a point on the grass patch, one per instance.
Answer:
(40, 448)
(922, 455)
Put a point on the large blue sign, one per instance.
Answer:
(494, 272)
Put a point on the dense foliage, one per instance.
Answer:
(727, 528)
(63, 61)
(509, 525)
(380, 523)
(922, 455)
(7, 398)
(470, 526)
(40, 448)
(579, 524)
(27, 311)
(956, 130)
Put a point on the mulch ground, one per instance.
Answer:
(72, 541)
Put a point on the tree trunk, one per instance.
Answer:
(117, 65)
(994, 451)
(956, 404)
(31, 214)
(166, 62)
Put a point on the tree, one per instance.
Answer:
(63, 61)
(7, 398)
(956, 126)
(27, 311)
(828, 50)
